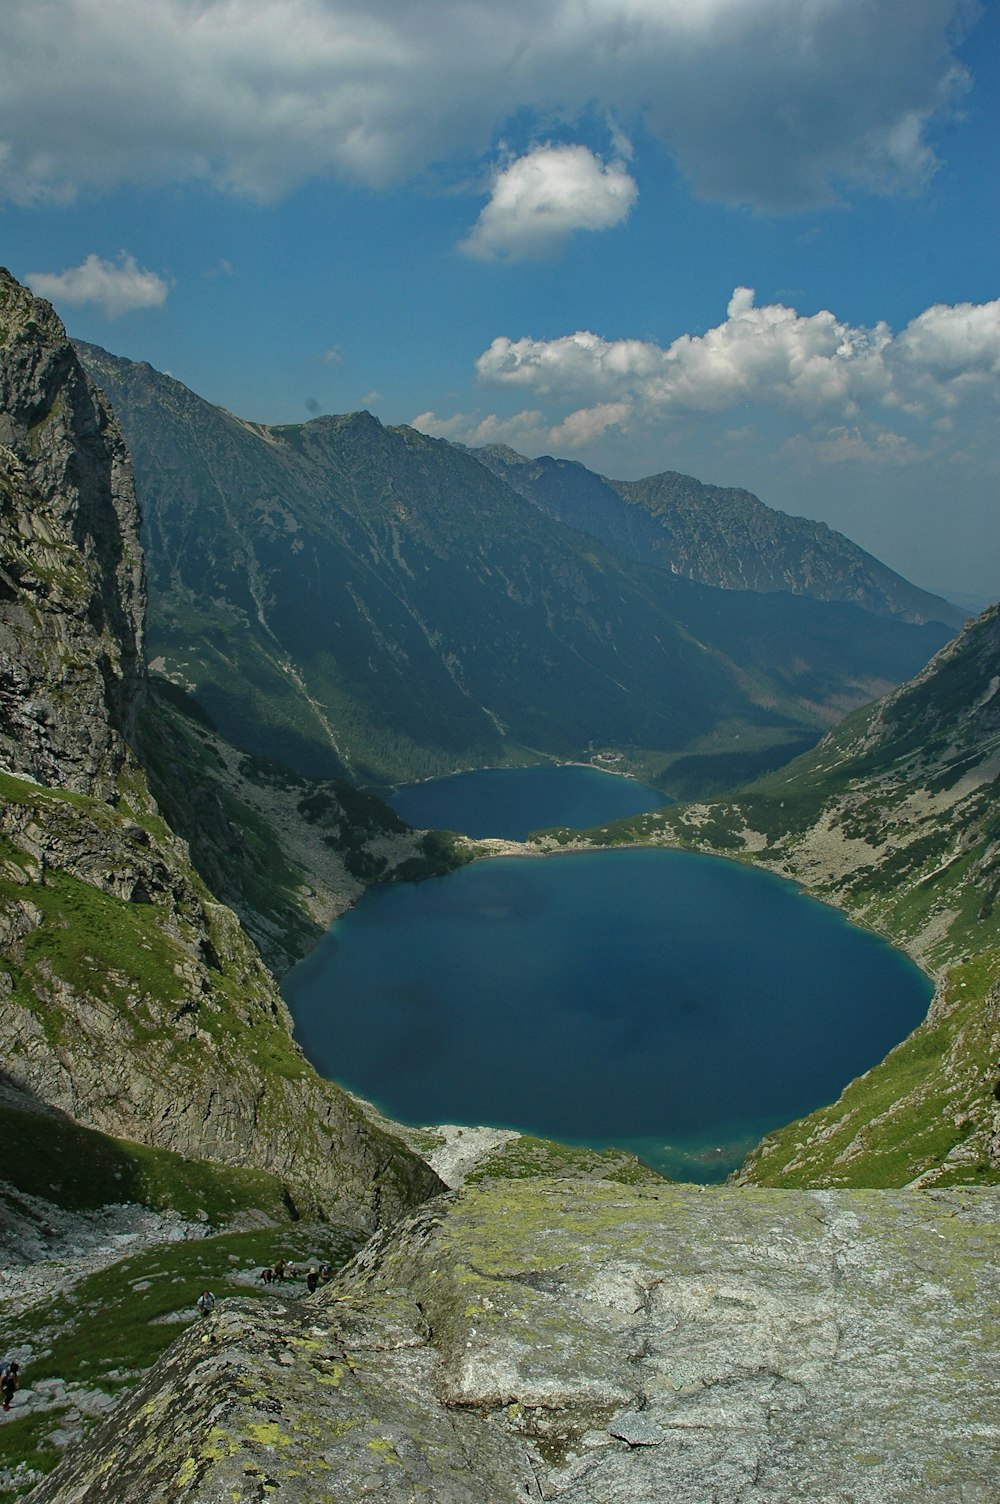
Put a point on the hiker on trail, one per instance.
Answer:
(312, 1280)
(324, 1273)
(267, 1275)
(9, 1383)
(279, 1270)
(206, 1302)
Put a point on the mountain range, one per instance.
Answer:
(718, 535)
(566, 1325)
(365, 601)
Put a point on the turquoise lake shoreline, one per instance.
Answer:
(673, 1004)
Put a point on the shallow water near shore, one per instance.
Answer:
(665, 1002)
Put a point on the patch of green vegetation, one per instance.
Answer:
(114, 1319)
(441, 851)
(114, 1324)
(526, 1158)
(133, 956)
(81, 1169)
(100, 945)
(705, 775)
(25, 1440)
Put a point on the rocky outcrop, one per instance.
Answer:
(596, 1345)
(287, 853)
(129, 997)
(72, 583)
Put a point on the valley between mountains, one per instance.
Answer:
(196, 713)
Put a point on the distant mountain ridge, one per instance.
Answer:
(718, 535)
(365, 600)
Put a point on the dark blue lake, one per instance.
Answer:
(512, 802)
(673, 1004)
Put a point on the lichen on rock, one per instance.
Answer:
(596, 1344)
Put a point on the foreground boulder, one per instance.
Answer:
(595, 1343)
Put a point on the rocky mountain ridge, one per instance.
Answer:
(345, 596)
(594, 1344)
(719, 535)
(72, 586)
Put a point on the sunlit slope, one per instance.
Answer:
(894, 816)
(351, 597)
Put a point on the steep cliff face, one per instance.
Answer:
(72, 584)
(129, 997)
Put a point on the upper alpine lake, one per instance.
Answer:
(676, 1005)
(512, 802)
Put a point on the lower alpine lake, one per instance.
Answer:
(675, 1005)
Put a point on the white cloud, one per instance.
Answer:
(814, 367)
(526, 431)
(541, 198)
(589, 423)
(115, 287)
(776, 103)
(781, 402)
(849, 445)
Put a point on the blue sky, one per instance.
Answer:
(753, 240)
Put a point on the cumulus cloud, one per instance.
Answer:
(814, 366)
(589, 423)
(541, 198)
(114, 287)
(773, 103)
(526, 431)
(811, 387)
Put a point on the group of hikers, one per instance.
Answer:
(276, 1273)
(279, 1271)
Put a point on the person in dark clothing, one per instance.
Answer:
(9, 1382)
(312, 1280)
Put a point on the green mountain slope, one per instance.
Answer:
(894, 816)
(130, 998)
(354, 598)
(719, 535)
